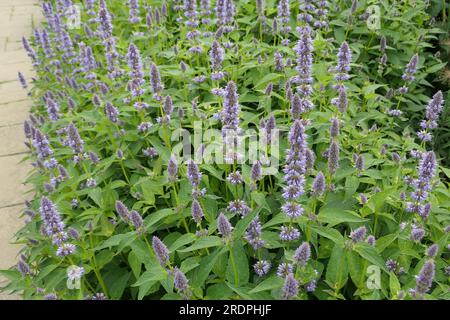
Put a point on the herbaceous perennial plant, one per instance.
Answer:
(147, 183)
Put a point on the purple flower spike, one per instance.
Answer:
(302, 254)
(424, 280)
(239, 207)
(137, 221)
(411, 69)
(180, 281)
(197, 211)
(417, 234)
(172, 169)
(333, 158)
(292, 209)
(22, 80)
(371, 240)
(193, 173)
(283, 16)
(123, 211)
(256, 172)
(23, 268)
(253, 234)
(133, 5)
(262, 267)
(230, 113)
(224, 226)
(334, 130)
(40, 142)
(344, 58)
(52, 109)
(432, 251)
(161, 251)
(289, 233)
(216, 55)
(285, 269)
(65, 249)
(74, 139)
(304, 49)
(290, 287)
(359, 234)
(111, 112)
(318, 187)
(155, 79)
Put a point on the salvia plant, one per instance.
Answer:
(234, 150)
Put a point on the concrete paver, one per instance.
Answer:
(14, 113)
(12, 223)
(17, 18)
(12, 173)
(12, 138)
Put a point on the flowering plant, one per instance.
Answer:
(234, 150)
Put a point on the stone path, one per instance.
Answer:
(17, 19)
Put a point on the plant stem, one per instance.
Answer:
(96, 270)
(233, 264)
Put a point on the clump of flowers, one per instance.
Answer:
(231, 150)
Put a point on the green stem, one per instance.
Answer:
(96, 270)
(233, 264)
(124, 172)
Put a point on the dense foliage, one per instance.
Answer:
(347, 200)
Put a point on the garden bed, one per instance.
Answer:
(235, 150)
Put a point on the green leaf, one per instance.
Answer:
(142, 252)
(189, 264)
(157, 216)
(334, 216)
(156, 273)
(219, 291)
(201, 273)
(182, 241)
(237, 268)
(116, 240)
(351, 185)
(242, 225)
(117, 287)
(260, 199)
(436, 67)
(273, 282)
(356, 268)
(369, 253)
(394, 284)
(329, 233)
(135, 264)
(383, 242)
(266, 79)
(207, 242)
(337, 268)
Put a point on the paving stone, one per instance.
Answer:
(5, 15)
(10, 223)
(11, 91)
(13, 45)
(12, 57)
(12, 175)
(16, 30)
(12, 138)
(14, 112)
(17, 18)
(9, 71)
(17, 3)
(3, 43)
